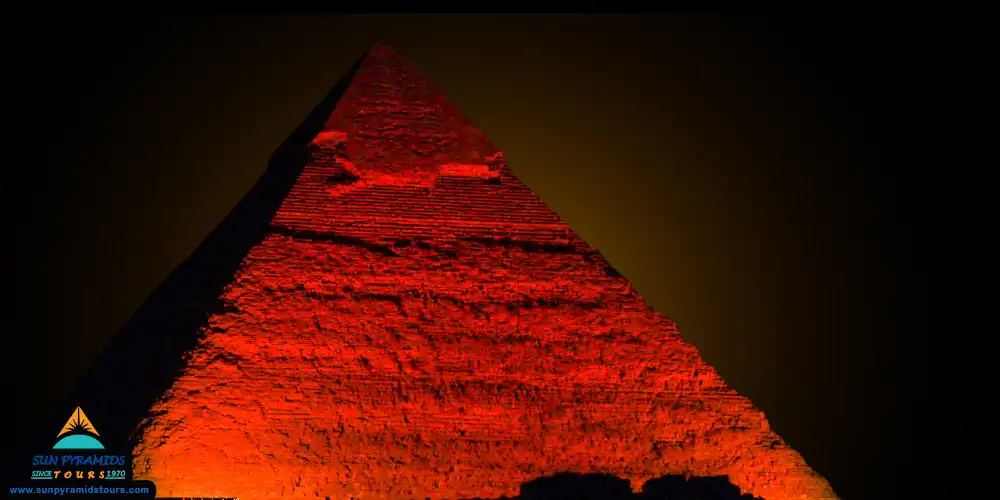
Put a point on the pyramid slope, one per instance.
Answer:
(417, 323)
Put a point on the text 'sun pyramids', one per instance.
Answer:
(417, 323)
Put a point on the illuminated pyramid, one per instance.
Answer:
(413, 322)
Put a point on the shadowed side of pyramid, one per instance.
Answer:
(144, 359)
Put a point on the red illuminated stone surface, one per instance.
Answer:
(417, 323)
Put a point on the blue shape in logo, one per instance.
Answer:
(78, 442)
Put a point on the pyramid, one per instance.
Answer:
(411, 321)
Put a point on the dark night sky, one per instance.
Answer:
(763, 182)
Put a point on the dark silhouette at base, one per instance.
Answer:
(570, 486)
(694, 488)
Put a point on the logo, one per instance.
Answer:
(78, 434)
(78, 454)
(82, 463)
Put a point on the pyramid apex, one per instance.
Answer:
(380, 51)
(381, 47)
(387, 92)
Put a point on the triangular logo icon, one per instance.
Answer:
(78, 433)
(78, 423)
